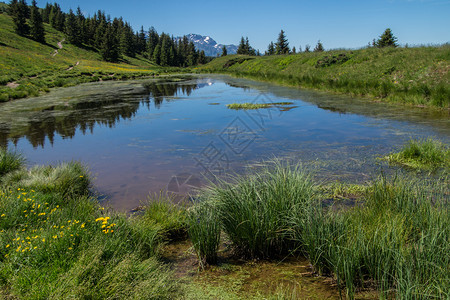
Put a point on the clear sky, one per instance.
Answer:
(338, 24)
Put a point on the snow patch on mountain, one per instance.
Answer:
(209, 45)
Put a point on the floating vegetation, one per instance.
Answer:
(426, 154)
(238, 106)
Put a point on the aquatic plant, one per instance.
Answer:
(422, 154)
(204, 231)
(255, 209)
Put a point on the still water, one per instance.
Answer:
(140, 137)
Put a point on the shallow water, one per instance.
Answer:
(139, 137)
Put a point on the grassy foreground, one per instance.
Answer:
(417, 76)
(28, 68)
(57, 242)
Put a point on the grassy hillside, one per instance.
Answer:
(418, 76)
(28, 67)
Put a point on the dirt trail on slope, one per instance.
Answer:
(60, 46)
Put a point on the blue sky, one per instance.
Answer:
(338, 24)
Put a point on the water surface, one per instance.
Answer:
(139, 137)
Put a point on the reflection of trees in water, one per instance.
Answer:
(162, 92)
(84, 116)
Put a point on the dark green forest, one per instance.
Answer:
(111, 37)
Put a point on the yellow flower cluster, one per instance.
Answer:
(32, 233)
(105, 227)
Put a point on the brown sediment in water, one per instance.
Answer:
(234, 278)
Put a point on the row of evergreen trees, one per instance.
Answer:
(113, 38)
(282, 46)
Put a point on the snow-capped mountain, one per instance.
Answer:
(209, 45)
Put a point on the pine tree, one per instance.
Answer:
(294, 50)
(202, 58)
(72, 29)
(19, 12)
(81, 21)
(126, 41)
(271, 49)
(153, 39)
(141, 41)
(165, 46)
(157, 54)
(387, 39)
(110, 46)
(192, 55)
(37, 26)
(307, 48)
(319, 47)
(46, 13)
(224, 51)
(282, 45)
(242, 48)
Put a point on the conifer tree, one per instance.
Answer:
(224, 51)
(294, 50)
(307, 48)
(141, 41)
(387, 39)
(19, 12)
(192, 55)
(81, 21)
(241, 48)
(37, 26)
(153, 39)
(110, 46)
(46, 13)
(72, 29)
(126, 41)
(202, 58)
(271, 49)
(282, 45)
(157, 54)
(319, 47)
(165, 46)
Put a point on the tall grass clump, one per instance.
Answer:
(68, 179)
(204, 231)
(422, 154)
(10, 161)
(398, 241)
(162, 211)
(255, 209)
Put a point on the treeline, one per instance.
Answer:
(113, 38)
(387, 39)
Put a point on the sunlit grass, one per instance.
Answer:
(422, 154)
(238, 106)
(57, 242)
(10, 161)
(416, 76)
(32, 69)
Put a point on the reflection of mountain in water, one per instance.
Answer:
(105, 110)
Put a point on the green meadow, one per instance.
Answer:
(415, 76)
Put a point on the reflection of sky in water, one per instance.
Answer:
(156, 137)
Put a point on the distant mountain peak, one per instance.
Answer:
(209, 45)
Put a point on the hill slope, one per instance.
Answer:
(28, 67)
(418, 76)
